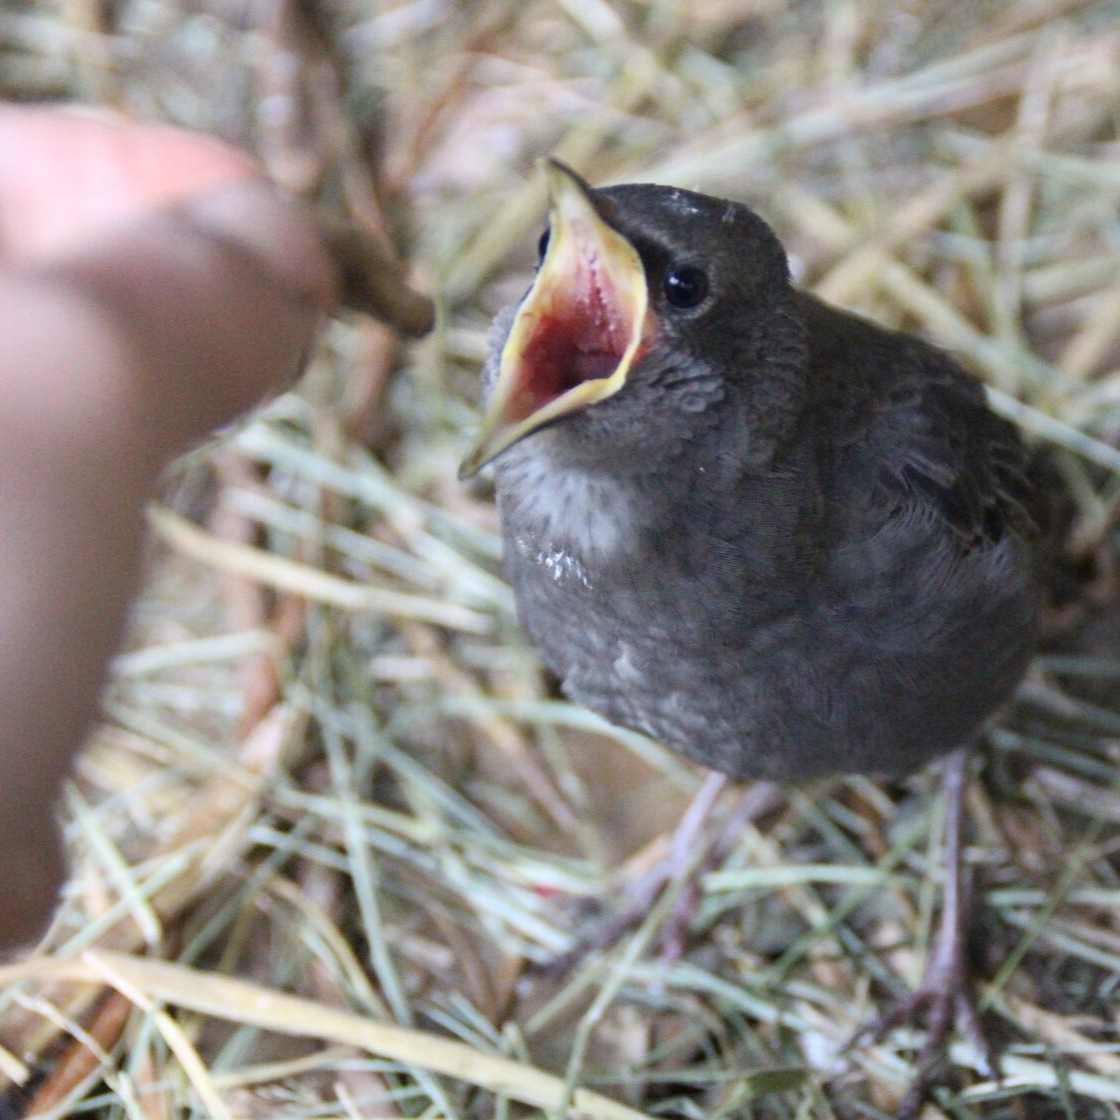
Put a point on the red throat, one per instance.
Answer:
(582, 336)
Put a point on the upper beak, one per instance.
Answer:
(577, 331)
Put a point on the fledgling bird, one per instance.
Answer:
(775, 536)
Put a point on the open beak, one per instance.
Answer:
(577, 332)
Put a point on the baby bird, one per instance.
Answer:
(777, 537)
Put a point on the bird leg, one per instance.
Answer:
(760, 799)
(943, 997)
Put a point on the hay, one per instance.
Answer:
(335, 818)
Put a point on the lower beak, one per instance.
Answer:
(577, 332)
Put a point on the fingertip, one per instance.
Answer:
(72, 172)
(253, 219)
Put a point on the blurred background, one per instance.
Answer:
(329, 763)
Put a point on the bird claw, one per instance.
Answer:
(944, 1000)
(671, 941)
(673, 938)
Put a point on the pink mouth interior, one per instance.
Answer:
(582, 337)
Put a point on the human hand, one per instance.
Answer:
(152, 286)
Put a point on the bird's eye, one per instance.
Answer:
(542, 245)
(686, 287)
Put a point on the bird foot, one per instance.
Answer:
(943, 1000)
(942, 1008)
(643, 893)
(641, 896)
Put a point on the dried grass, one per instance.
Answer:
(335, 817)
